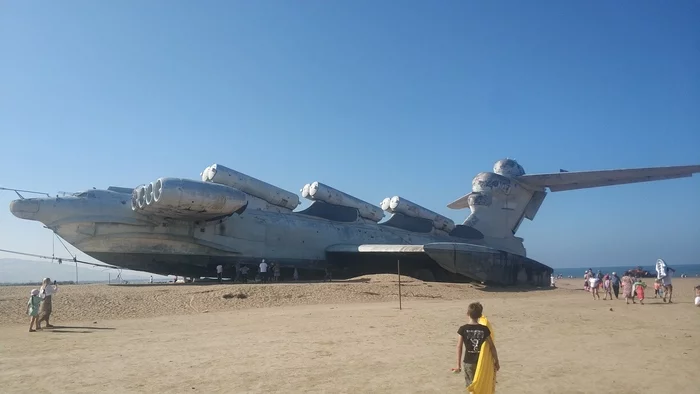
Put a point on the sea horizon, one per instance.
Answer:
(692, 270)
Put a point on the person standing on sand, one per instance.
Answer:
(657, 286)
(277, 271)
(639, 286)
(470, 337)
(244, 274)
(220, 273)
(607, 287)
(33, 309)
(263, 271)
(594, 282)
(238, 272)
(271, 271)
(47, 290)
(668, 286)
(627, 288)
(615, 283)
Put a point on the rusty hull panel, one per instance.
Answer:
(488, 265)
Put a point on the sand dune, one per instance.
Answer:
(344, 337)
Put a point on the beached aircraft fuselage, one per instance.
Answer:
(185, 227)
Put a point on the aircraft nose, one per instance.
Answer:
(25, 209)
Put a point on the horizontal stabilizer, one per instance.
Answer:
(460, 203)
(563, 181)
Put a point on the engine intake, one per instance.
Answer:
(187, 199)
(398, 204)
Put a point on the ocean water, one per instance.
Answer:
(692, 270)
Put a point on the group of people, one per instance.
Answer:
(632, 286)
(39, 305)
(266, 272)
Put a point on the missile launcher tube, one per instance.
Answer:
(187, 198)
(409, 208)
(386, 204)
(305, 190)
(325, 193)
(216, 173)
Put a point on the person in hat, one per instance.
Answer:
(47, 290)
(33, 309)
(615, 283)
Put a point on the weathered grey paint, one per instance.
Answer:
(103, 224)
(318, 191)
(217, 173)
(398, 204)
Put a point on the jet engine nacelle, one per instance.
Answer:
(325, 193)
(187, 199)
(305, 190)
(401, 205)
(216, 173)
(386, 204)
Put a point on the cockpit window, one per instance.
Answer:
(85, 194)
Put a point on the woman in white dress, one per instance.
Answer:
(47, 290)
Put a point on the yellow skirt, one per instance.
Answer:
(485, 376)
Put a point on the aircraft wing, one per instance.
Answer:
(477, 262)
(395, 248)
(563, 181)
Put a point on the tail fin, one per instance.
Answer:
(499, 205)
(501, 199)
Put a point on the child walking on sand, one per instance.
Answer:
(594, 282)
(607, 287)
(470, 337)
(33, 309)
(639, 287)
(697, 295)
(657, 286)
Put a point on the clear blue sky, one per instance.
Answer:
(375, 98)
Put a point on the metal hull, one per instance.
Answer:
(185, 227)
(295, 240)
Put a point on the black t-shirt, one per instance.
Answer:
(474, 336)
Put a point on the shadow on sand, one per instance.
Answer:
(659, 302)
(75, 329)
(512, 289)
(70, 332)
(228, 282)
(83, 328)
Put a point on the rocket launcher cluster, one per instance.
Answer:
(401, 205)
(187, 199)
(218, 174)
(322, 192)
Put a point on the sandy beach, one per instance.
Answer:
(344, 337)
